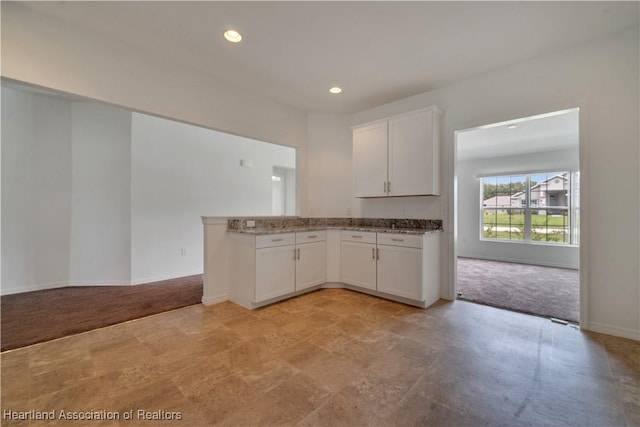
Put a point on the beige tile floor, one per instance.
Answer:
(331, 358)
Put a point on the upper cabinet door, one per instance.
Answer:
(414, 155)
(370, 160)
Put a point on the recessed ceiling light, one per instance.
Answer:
(335, 89)
(512, 127)
(233, 36)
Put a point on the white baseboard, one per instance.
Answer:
(44, 286)
(31, 288)
(332, 285)
(519, 261)
(604, 328)
(215, 299)
(99, 283)
(164, 277)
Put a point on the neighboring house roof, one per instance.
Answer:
(499, 201)
(562, 176)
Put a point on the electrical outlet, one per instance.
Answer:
(184, 252)
(251, 223)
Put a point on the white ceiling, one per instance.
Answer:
(546, 132)
(377, 51)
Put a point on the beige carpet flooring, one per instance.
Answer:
(532, 289)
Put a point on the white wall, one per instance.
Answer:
(95, 196)
(100, 252)
(40, 50)
(468, 199)
(329, 167)
(181, 172)
(36, 191)
(602, 78)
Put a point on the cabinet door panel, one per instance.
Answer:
(358, 264)
(400, 271)
(412, 166)
(311, 267)
(275, 272)
(370, 160)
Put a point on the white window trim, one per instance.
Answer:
(571, 208)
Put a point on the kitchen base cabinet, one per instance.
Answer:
(400, 271)
(311, 263)
(270, 267)
(358, 259)
(398, 266)
(275, 272)
(408, 266)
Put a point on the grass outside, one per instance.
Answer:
(546, 228)
(540, 221)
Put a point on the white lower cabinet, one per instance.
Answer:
(266, 268)
(401, 265)
(400, 271)
(358, 259)
(311, 260)
(275, 272)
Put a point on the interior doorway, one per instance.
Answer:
(518, 214)
(283, 186)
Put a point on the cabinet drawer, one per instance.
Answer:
(358, 236)
(272, 240)
(311, 236)
(406, 240)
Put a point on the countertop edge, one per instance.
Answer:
(303, 229)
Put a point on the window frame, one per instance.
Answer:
(527, 206)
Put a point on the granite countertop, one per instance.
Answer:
(277, 225)
(260, 231)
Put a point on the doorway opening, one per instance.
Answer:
(518, 215)
(283, 185)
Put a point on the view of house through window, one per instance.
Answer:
(530, 207)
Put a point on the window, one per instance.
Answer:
(530, 208)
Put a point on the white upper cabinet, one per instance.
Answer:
(370, 160)
(398, 156)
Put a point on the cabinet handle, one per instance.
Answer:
(385, 186)
(397, 240)
(355, 236)
(298, 254)
(294, 254)
(276, 240)
(373, 253)
(388, 186)
(377, 253)
(315, 236)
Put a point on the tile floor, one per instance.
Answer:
(330, 358)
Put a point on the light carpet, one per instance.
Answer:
(543, 291)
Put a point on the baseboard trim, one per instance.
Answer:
(332, 285)
(216, 299)
(604, 328)
(88, 284)
(46, 286)
(32, 288)
(164, 277)
(520, 261)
